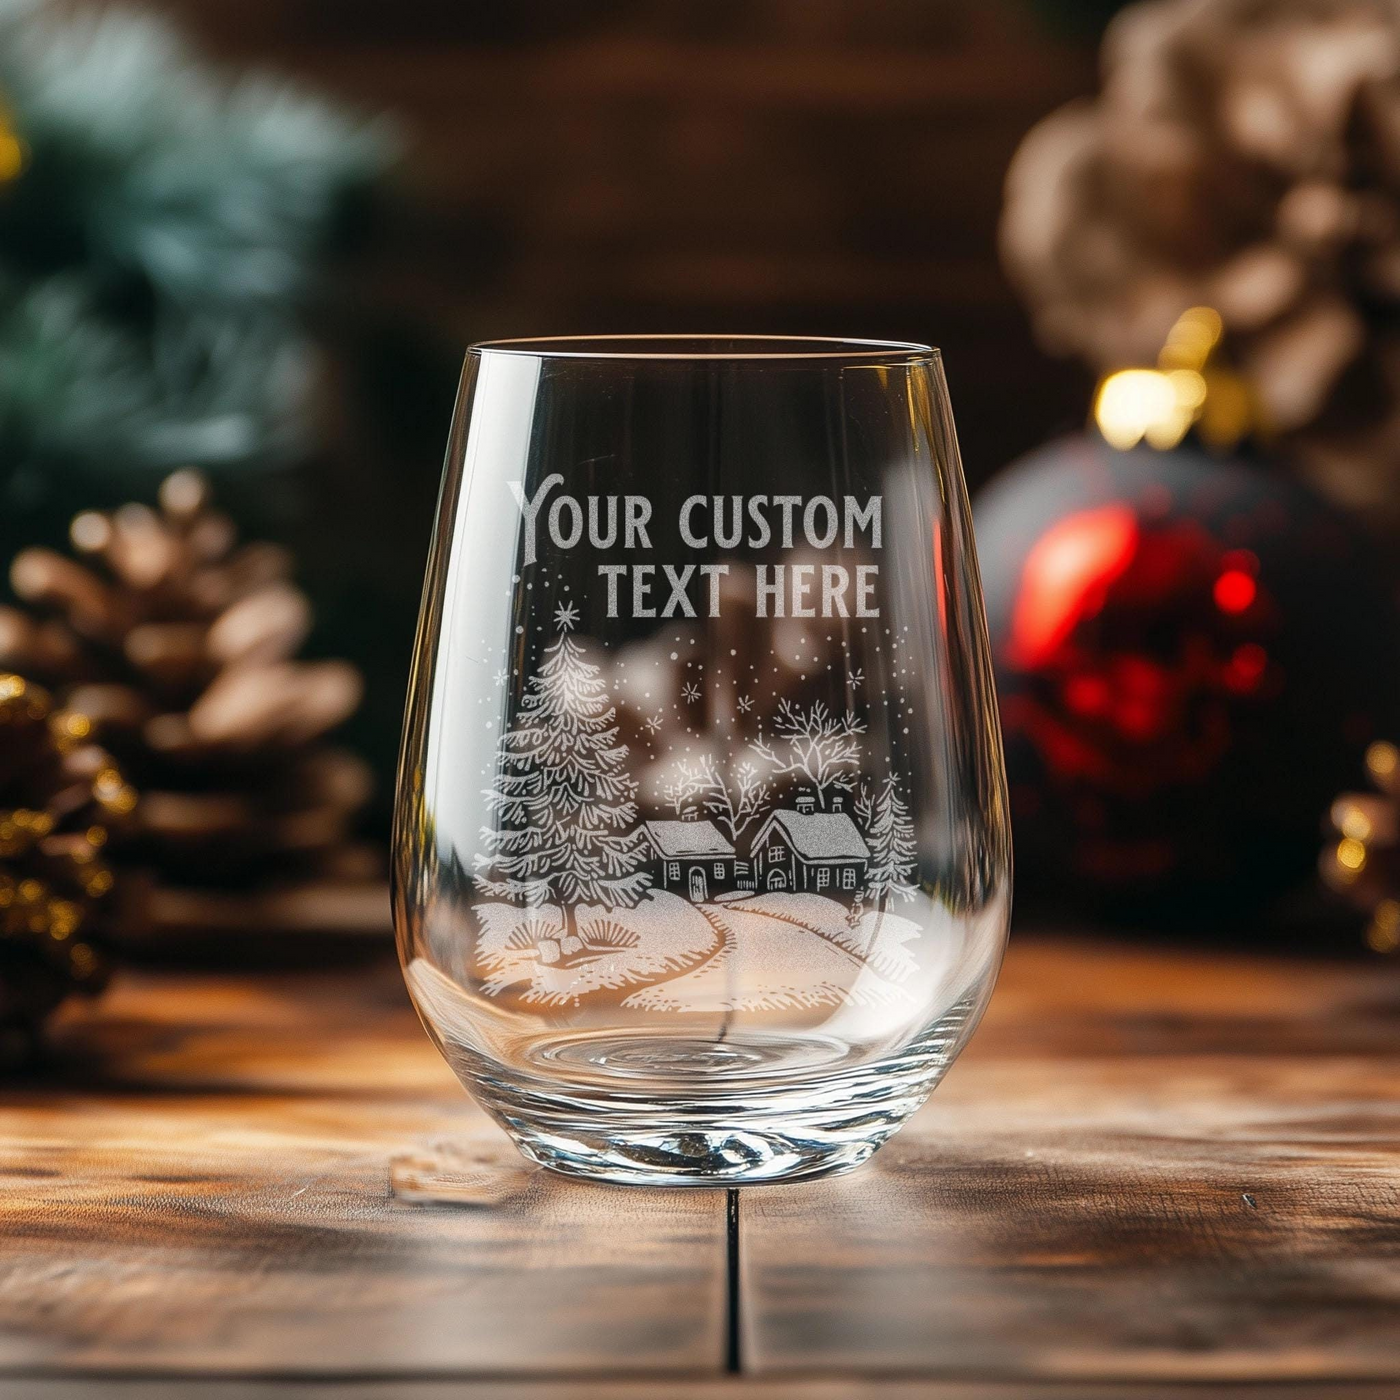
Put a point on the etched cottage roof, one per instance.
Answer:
(694, 838)
(819, 835)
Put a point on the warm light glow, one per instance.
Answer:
(1230, 410)
(1351, 854)
(1134, 405)
(1234, 591)
(1381, 760)
(1353, 822)
(1160, 406)
(1384, 934)
(12, 154)
(1066, 576)
(90, 531)
(1191, 341)
(1189, 386)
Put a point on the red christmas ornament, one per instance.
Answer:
(1189, 668)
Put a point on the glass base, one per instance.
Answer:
(752, 1134)
(726, 1156)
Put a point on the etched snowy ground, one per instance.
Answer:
(881, 940)
(621, 948)
(751, 953)
(776, 954)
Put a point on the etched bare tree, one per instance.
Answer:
(734, 800)
(816, 744)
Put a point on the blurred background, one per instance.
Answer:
(553, 168)
(822, 167)
(1176, 316)
(761, 165)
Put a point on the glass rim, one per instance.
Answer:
(716, 348)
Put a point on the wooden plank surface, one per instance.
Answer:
(719, 1388)
(205, 1190)
(1149, 1166)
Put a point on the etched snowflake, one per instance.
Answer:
(745, 704)
(565, 617)
(502, 676)
(654, 723)
(855, 678)
(691, 692)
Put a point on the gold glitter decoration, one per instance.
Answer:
(1362, 860)
(59, 796)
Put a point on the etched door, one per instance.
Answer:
(697, 885)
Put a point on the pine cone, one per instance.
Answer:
(1364, 862)
(59, 797)
(1243, 155)
(177, 643)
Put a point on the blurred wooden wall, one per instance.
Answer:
(826, 166)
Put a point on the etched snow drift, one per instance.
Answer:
(738, 904)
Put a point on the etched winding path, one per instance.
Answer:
(766, 962)
(704, 988)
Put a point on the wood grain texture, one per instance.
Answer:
(725, 1388)
(1149, 1166)
(206, 1190)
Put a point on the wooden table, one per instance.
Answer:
(1153, 1169)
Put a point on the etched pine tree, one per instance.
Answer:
(893, 849)
(563, 799)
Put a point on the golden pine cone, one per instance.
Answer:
(1243, 155)
(60, 796)
(179, 643)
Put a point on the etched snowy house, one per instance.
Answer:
(804, 849)
(691, 857)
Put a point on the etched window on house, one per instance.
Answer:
(823, 878)
(673, 870)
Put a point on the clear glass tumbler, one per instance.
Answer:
(702, 866)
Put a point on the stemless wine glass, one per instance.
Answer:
(702, 867)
